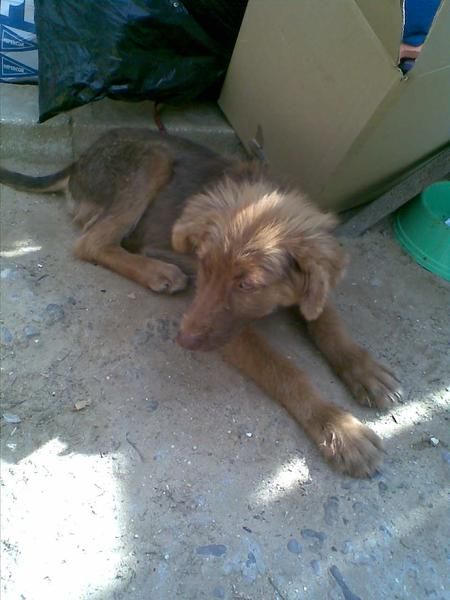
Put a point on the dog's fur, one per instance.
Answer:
(142, 197)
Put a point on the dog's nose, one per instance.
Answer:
(190, 341)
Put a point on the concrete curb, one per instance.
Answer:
(65, 136)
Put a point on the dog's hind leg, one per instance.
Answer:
(107, 227)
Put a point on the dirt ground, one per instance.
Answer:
(180, 479)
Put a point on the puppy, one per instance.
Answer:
(144, 201)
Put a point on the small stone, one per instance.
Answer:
(348, 484)
(53, 314)
(6, 337)
(346, 547)
(251, 560)
(315, 566)
(212, 550)
(313, 535)
(11, 418)
(249, 434)
(293, 546)
(82, 404)
(30, 331)
(331, 508)
(434, 441)
(132, 296)
(152, 405)
(385, 530)
(348, 594)
(382, 488)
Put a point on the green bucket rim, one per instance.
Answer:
(416, 253)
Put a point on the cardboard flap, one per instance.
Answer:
(386, 19)
(394, 139)
(436, 50)
(310, 75)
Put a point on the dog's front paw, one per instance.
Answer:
(167, 279)
(348, 445)
(370, 383)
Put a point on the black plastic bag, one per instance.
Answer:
(161, 50)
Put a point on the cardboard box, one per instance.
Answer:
(18, 44)
(317, 84)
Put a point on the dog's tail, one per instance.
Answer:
(57, 182)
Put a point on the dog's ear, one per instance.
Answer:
(186, 235)
(316, 267)
(190, 229)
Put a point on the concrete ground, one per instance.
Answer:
(179, 479)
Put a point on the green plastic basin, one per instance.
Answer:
(423, 228)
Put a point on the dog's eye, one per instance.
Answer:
(247, 284)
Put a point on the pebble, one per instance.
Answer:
(347, 593)
(30, 331)
(152, 405)
(11, 418)
(212, 550)
(434, 441)
(348, 484)
(251, 560)
(53, 313)
(6, 337)
(311, 534)
(385, 530)
(315, 566)
(331, 508)
(293, 546)
(132, 296)
(382, 488)
(346, 547)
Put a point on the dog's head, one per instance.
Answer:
(258, 249)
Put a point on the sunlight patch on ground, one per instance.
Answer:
(291, 474)
(60, 525)
(405, 416)
(20, 249)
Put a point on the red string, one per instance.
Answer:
(157, 118)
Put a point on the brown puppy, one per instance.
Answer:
(140, 197)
